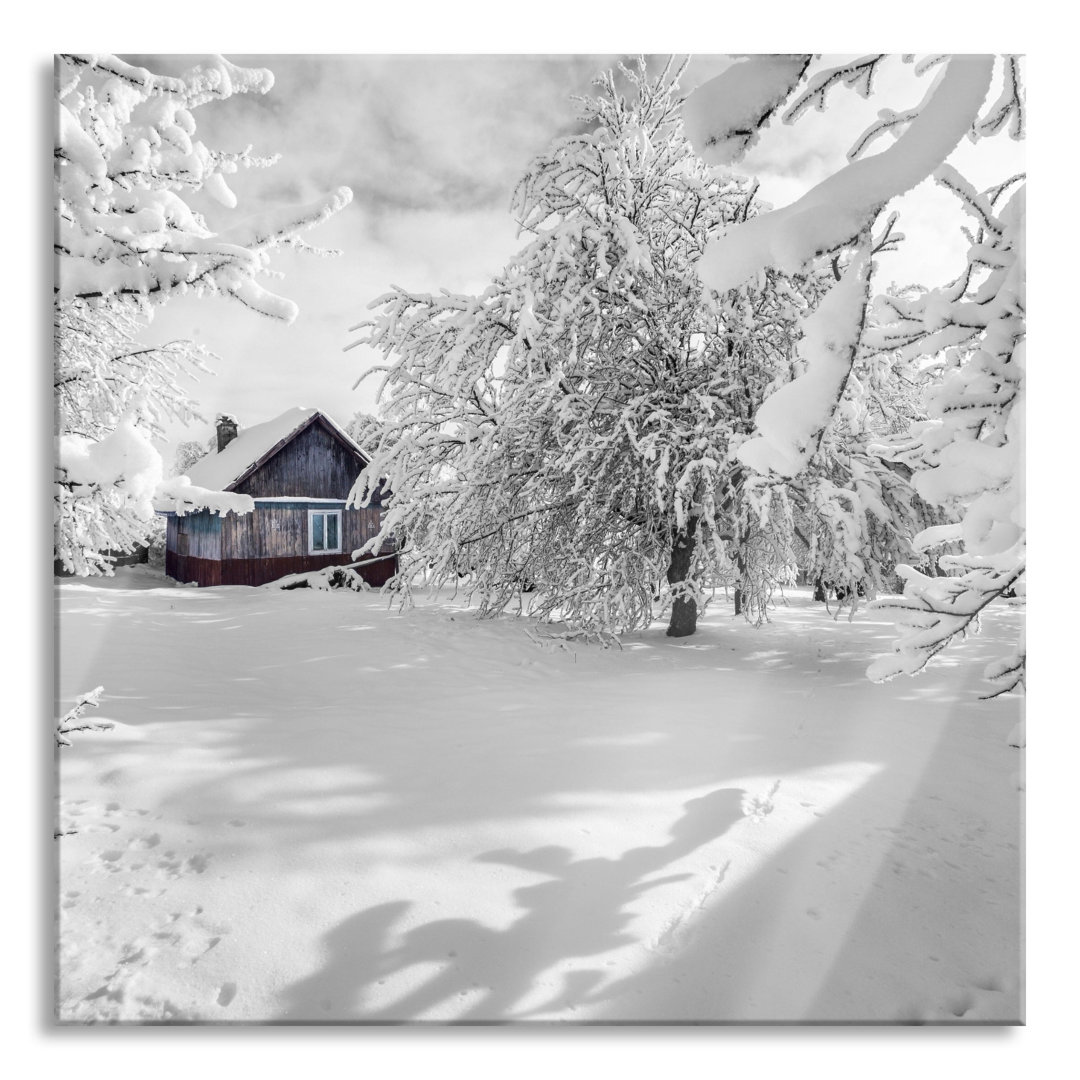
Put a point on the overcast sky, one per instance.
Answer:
(432, 147)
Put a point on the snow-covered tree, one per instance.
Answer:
(967, 457)
(572, 430)
(188, 452)
(368, 431)
(129, 174)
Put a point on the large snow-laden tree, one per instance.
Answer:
(968, 456)
(129, 235)
(572, 430)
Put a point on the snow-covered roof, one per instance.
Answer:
(217, 471)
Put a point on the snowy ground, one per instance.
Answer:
(315, 808)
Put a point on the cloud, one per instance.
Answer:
(432, 147)
(405, 132)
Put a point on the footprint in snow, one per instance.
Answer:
(171, 866)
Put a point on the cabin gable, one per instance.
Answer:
(314, 464)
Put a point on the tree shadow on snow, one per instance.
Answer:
(477, 973)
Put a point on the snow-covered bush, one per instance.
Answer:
(967, 455)
(129, 173)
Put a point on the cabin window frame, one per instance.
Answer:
(324, 513)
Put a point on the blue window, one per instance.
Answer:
(324, 532)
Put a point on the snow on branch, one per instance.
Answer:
(979, 206)
(724, 117)
(832, 214)
(935, 611)
(1009, 106)
(965, 451)
(859, 74)
(969, 453)
(790, 424)
(72, 720)
(125, 152)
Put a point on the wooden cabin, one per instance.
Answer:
(299, 469)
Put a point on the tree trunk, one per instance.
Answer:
(740, 565)
(683, 610)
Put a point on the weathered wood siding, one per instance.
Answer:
(315, 465)
(281, 531)
(193, 547)
(199, 535)
(272, 541)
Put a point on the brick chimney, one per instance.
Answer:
(227, 430)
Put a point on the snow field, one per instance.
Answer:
(314, 807)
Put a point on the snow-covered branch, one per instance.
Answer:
(73, 721)
(831, 215)
(969, 453)
(858, 75)
(791, 423)
(965, 452)
(125, 151)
